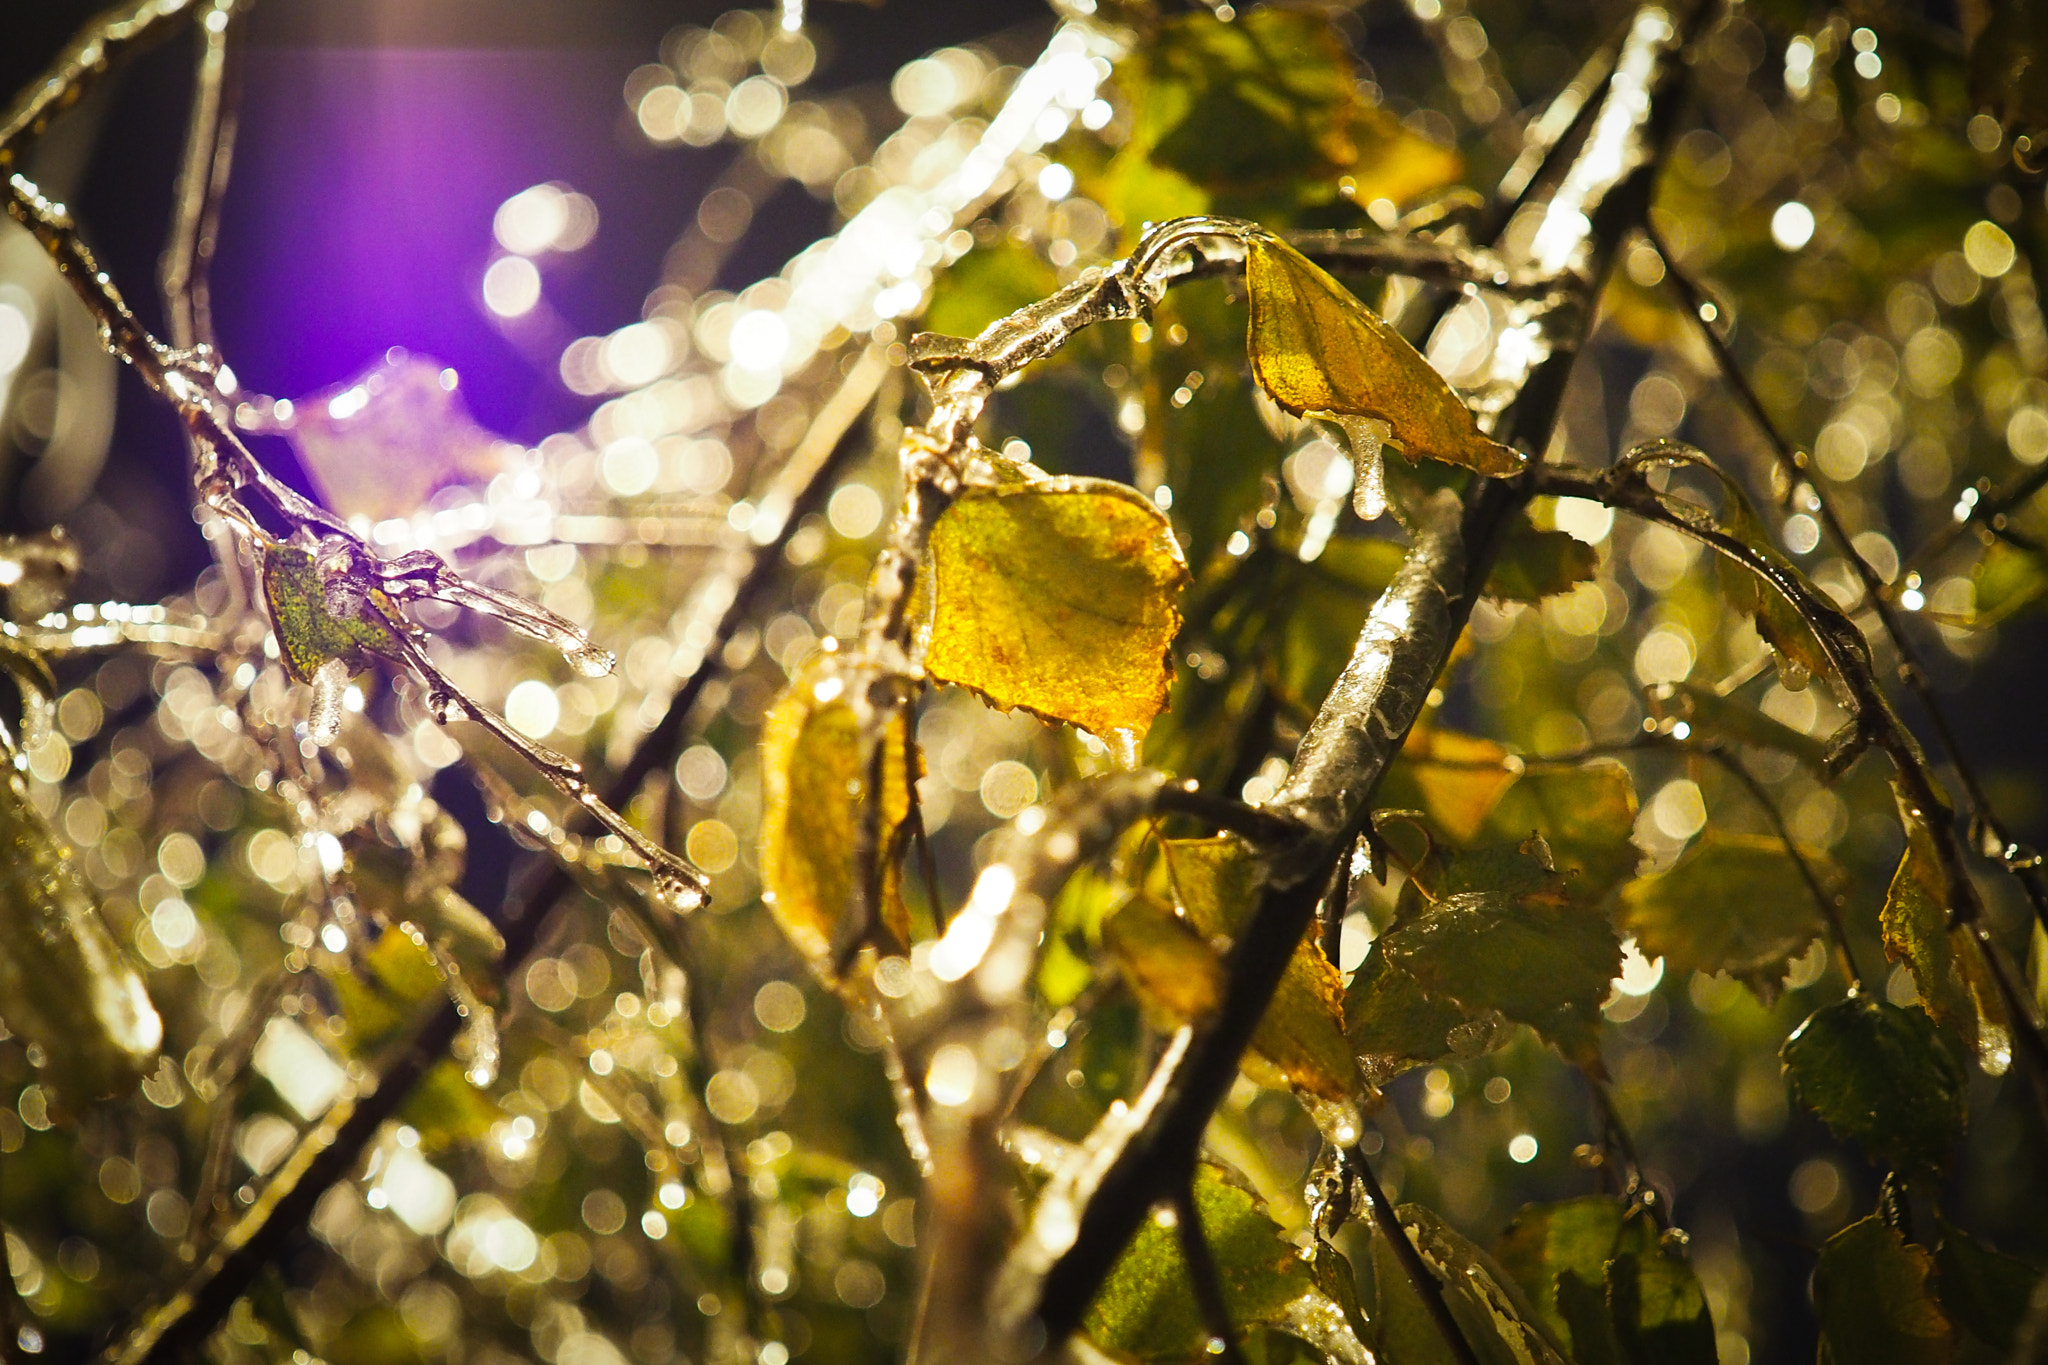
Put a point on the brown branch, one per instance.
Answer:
(112, 35)
(1204, 1276)
(1425, 1283)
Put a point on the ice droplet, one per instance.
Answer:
(446, 707)
(1337, 1120)
(1123, 749)
(591, 662)
(330, 682)
(675, 889)
(480, 1041)
(1367, 437)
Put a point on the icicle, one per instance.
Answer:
(1337, 1120)
(480, 1041)
(1367, 437)
(330, 684)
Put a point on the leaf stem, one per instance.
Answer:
(1420, 1278)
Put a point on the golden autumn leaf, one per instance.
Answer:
(1321, 353)
(814, 788)
(1302, 1036)
(1057, 596)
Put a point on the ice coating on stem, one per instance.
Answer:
(1337, 1120)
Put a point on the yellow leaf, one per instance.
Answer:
(1170, 966)
(1459, 778)
(1320, 352)
(1915, 926)
(814, 794)
(1302, 1036)
(1057, 596)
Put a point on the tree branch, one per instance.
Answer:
(1425, 1283)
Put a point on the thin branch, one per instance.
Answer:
(1204, 1277)
(1425, 1283)
(1423, 260)
(1793, 463)
(185, 272)
(112, 35)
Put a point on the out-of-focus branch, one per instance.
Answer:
(111, 35)
(1989, 832)
(184, 275)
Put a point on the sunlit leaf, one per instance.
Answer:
(1319, 351)
(1057, 596)
(815, 790)
(1605, 1280)
(1490, 1309)
(1393, 1024)
(1457, 779)
(314, 626)
(1217, 882)
(64, 983)
(1545, 1242)
(1167, 961)
(1915, 923)
(1875, 1302)
(1146, 1309)
(1506, 933)
(1734, 903)
(1586, 814)
(1883, 1076)
(1982, 1289)
(2006, 580)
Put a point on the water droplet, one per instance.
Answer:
(445, 707)
(592, 662)
(677, 890)
(330, 682)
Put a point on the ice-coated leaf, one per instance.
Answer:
(1586, 814)
(1057, 596)
(1536, 564)
(1170, 965)
(1217, 883)
(1734, 903)
(1146, 1309)
(1319, 351)
(1505, 933)
(314, 625)
(1883, 1076)
(1393, 1025)
(64, 983)
(1457, 779)
(1876, 1305)
(1916, 931)
(814, 790)
(1490, 1309)
(1984, 1290)
(1606, 1282)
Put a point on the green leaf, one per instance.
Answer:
(1393, 1024)
(1146, 1309)
(1544, 1242)
(1320, 352)
(1536, 564)
(313, 627)
(1217, 883)
(1883, 1076)
(1497, 1321)
(1586, 814)
(1506, 933)
(1713, 715)
(814, 787)
(1734, 903)
(1656, 1303)
(1915, 924)
(1057, 596)
(64, 983)
(1875, 1304)
(2006, 580)
(1984, 1290)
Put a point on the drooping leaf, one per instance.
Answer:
(1584, 813)
(314, 626)
(1656, 1303)
(1915, 923)
(1496, 1319)
(1545, 1242)
(814, 787)
(1536, 564)
(1057, 596)
(1875, 1302)
(1984, 1290)
(1884, 1076)
(1734, 903)
(1507, 933)
(1457, 779)
(1302, 1035)
(64, 983)
(1146, 1309)
(1166, 960)
(1320, 352)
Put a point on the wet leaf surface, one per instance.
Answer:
(1881, 1076)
